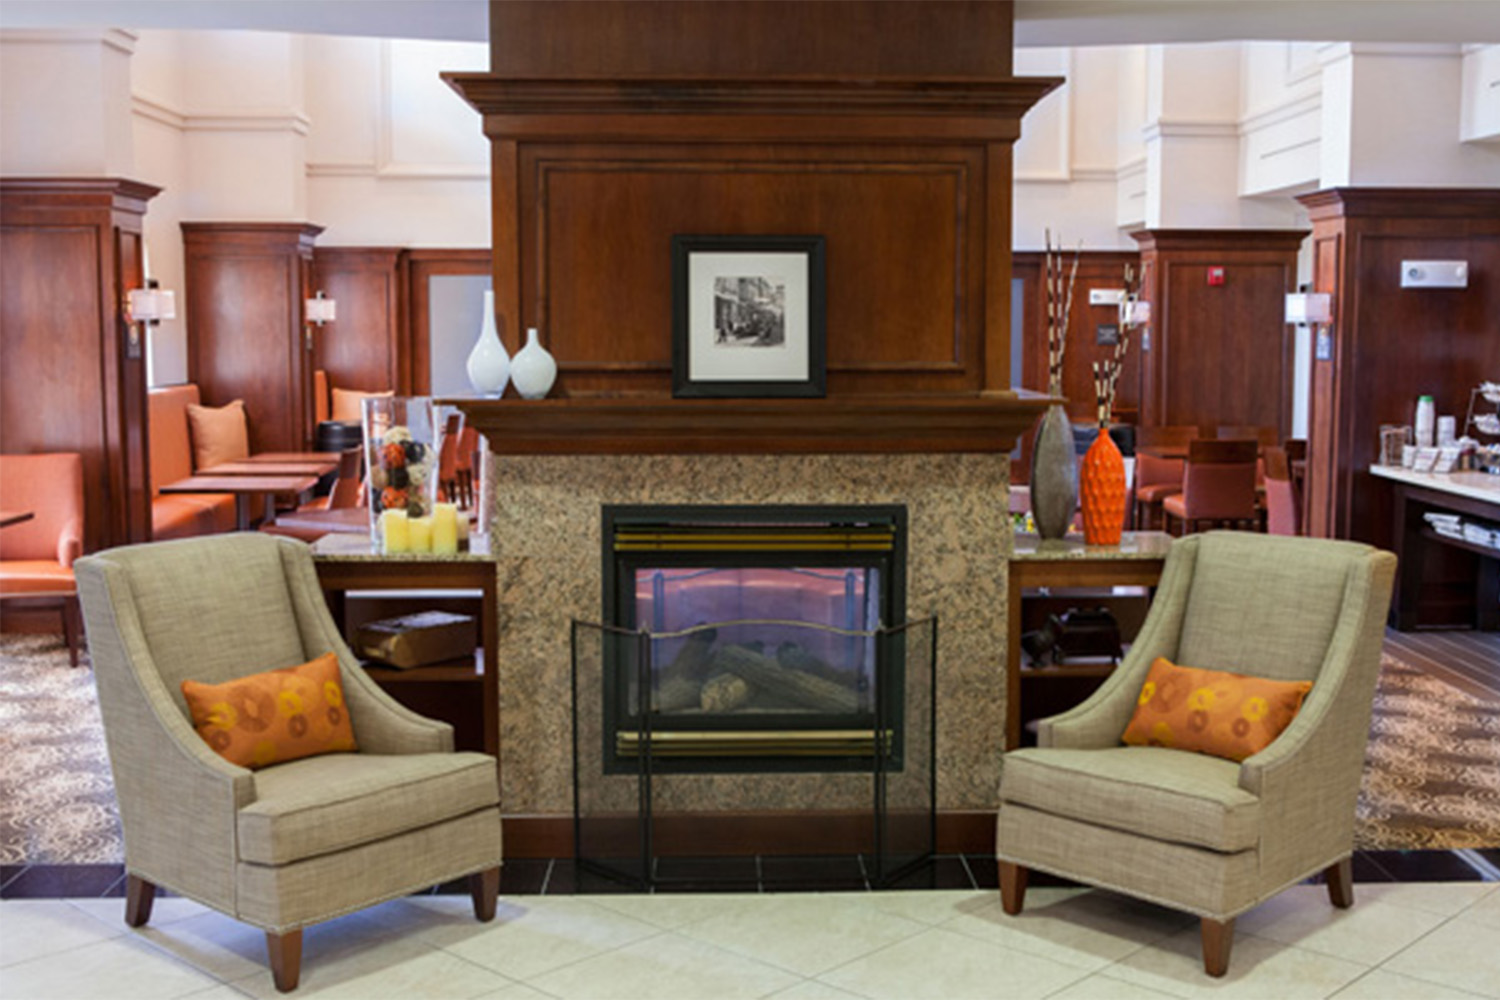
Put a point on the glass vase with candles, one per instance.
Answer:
(401, 451)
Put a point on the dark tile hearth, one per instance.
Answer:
(562, 877)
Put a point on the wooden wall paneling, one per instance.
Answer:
(70, 377)
(750, 38)
(367, 346)
(421, 267)
(598, 222)
(1097, 269)
(1219, 354)
(1393, 344)
(245, 284)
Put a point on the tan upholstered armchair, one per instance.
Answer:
(294, 843)
(1201, 833)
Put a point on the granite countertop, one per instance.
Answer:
(1133, 545)
(1483, 486)
(344, 547)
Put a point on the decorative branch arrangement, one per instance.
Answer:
(1059, 309)
(1107, 373)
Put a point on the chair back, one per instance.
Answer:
(348, 487)
(1219, 480)
(51, 487)
(1282, 514)
(208, 609)
(167, 427)
(1266, 606)
(1296, 449)
(1260, 435)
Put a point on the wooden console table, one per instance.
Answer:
(450, 692)
(1136, 561)
(1473, 495)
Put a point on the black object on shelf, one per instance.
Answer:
(336, 435)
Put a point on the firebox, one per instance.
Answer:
(760, 627)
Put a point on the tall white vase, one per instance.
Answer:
(533, 370)
(489, 364)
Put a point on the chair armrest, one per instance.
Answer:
(381, 723)
(1309, 776)
(178, 798)
(1099, 720)
(70, 542)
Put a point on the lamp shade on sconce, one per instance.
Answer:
(151, 305)
(1134, 312)
(1309, 307)
(320, 310)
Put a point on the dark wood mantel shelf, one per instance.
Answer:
(634, 425)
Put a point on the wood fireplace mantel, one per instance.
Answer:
(987, 423)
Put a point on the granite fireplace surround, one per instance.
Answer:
(545, 534)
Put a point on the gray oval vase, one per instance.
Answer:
(1054, 474)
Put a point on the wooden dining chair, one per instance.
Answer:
(1218, 487)
(1283, 512)
(468, 445)
(1157, 478)
(448, 458)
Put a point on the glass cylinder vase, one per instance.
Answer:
(1054, 474)
(401, 456)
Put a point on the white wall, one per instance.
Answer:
(65, 103)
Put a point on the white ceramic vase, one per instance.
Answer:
(533, 370)
(489, 364)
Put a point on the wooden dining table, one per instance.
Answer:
(271, 457)
(9, 517)
(246, 488)
(342, 521)
(289, 467)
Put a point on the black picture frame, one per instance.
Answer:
(748, 317)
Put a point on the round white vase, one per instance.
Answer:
(533, 370)
(489, 364)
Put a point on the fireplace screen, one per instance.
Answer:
(761, 625)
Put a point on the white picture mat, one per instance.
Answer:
(709, 361)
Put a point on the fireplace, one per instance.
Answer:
(760, 641)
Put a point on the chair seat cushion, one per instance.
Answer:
(318, 805)
(1176, 505)
(35, 576)
(1156, 492)
(1187, 798)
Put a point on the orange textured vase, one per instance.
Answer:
(1101, 487)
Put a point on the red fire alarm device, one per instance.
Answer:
(1216, 276)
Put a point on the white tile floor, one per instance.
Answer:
(1399, 941)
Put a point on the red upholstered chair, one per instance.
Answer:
(1157, 478)
(1283, 509)
(36, 556)
(1218, 487)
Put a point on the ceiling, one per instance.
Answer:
(1038, 22)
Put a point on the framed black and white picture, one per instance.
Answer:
(748, 316)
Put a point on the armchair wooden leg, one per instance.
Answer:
(70, 617)
(1340, 879)
(139, 895)
(285, 951)
(484, 887)
(1218, 938)
(1012, 887)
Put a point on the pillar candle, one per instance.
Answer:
(395, 532)
(445, 529)
(421, 533)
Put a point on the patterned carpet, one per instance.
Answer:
(1432, 776)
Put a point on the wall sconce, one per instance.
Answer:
(320, 310)
(146, 307)
(1314, 309)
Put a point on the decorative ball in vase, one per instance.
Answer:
(1102, 484)
(533, 370)
(489, 364)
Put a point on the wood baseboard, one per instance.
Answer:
(731, 834)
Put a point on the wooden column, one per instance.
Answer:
(72, 369)
(1218, 353)
(366, 347)
(1389, 344)
(246, 283)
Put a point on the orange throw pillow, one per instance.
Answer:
(347, 403)
(219, 433)
(274, 717)
(1212, 711)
